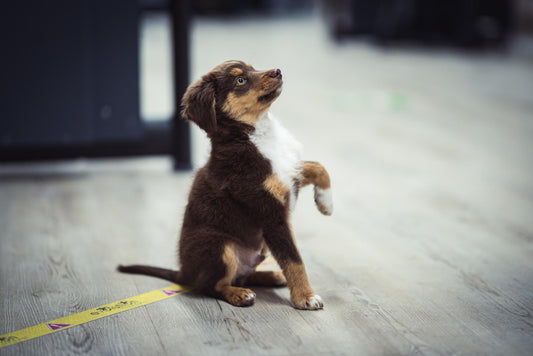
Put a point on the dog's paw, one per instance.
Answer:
(309, 303)
(324, 200)
(240, 297)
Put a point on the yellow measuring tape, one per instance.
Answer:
(90, 315)
(99, 312)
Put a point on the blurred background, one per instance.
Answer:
(421, 110)
(95, 78)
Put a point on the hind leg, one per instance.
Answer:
(267, 278)
(240, 297)
(210, 263)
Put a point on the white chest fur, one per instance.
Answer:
(281, 148)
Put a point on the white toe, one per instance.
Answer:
(315, 302)
(324, 200)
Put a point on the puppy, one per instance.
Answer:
(240, 201)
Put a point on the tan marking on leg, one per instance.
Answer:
(302, 295)
(276, 187)
(267, 278)
(236, 71)
(314, 172)
(230, 260)
(297, 280)
(240, 297)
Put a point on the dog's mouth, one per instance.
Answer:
(273, 94)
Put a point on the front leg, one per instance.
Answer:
(302, 295)
(279, 239)
(271, 208)
(315, 173)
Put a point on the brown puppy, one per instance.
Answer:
(239, 205)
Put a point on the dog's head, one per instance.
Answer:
(234, 89)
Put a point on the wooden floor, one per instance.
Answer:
(429, 250)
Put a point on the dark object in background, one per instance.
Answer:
(70, 82)
(239, 7)
(461, 22)
(224, 7)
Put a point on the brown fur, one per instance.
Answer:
(237, 207)
(267, 278)
(299, 285)
(315, 173)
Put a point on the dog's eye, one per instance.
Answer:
(240, 80)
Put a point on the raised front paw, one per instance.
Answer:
(324, 200)
(313, 302)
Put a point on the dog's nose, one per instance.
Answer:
(275, 73)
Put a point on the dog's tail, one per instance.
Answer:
(163, 273)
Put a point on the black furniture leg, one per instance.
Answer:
(181, 137)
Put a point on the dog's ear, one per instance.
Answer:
(199, 104)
